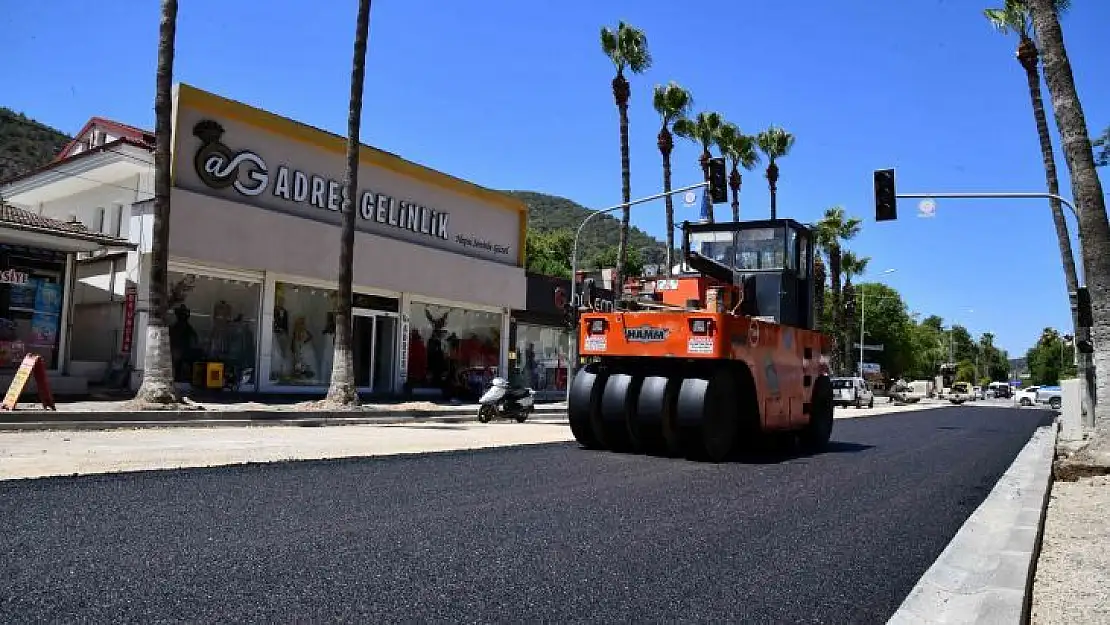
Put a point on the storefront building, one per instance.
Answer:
(539, 338)
(254, 251)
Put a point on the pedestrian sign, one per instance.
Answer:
(689, 198)
(927, 208)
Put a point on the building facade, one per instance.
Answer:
(254, 254)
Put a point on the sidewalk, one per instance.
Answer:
(107, 413)
(1072, 581)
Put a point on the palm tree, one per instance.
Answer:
(627, 48)
(741, 151)
(342, 390)
(851, 265)
(1014, 17)
(157, 387)
(702, 129)
(775, 142)
(1087, 191)
(820, 277)
(832, 231)
(673, 103)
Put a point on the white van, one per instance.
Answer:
(854, 391)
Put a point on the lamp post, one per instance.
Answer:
(863, 318)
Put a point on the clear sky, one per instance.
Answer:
(516, 95)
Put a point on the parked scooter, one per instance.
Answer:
(504, 400)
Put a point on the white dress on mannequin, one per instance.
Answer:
(279, 356)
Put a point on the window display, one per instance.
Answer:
(213, 320)
(453, 349)
(303, 341)
(31, 283)
(541, 357)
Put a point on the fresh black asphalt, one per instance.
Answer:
(549, 533)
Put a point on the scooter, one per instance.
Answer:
(505, 400)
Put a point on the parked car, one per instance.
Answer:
(1051, 395)
(978, 393)
(854, 391)
(1027, 396)
(910, 392)
(961, 392)
(1000, 390)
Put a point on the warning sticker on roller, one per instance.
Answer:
(595, 344)
(699, 345)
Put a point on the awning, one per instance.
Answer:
(20, 227)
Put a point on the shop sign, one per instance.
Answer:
(11, 276)
(219, 168)
(404, 359)
(128, 320)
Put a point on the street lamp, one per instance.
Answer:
(863, 318)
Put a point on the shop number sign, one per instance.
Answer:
(128, 320)
(32, 365)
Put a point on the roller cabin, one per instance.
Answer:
(723, 355)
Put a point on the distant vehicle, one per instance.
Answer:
(911, 392)
(1027, 396)
(978, 393)
(854, 391)
(1051, 395)
(1000, 390)
(961, 392)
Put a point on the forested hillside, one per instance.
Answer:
(25, 143)
(548, 213)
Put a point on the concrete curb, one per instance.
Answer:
(984, 574)
(90, 420)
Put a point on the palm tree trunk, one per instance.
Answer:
(621, 91)
(772, 184)
(157, 385)
(665, 146)
(837, 313)
(1087, 191)
(1028, 56)
(734, 181)
(342, 389)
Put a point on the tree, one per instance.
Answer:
(851, 265)
(157, 389)
(820, 293)
(608, 257)
(703, 129)
(1103, 144)
(342, 390)
(832, 231)
(1094, 227)
(1014, 17)
(627, 48)
(776, 143)
(548, 253)
(1051, 358)
(888, 324)
(673, 103)
(740, 151)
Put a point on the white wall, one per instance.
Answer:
(115, 199)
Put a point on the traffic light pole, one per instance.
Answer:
(572, 359)
(1085, 369)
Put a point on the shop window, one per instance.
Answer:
(31, 283)
(454, 350)
(213, 320)
(541, 357)
(303, 342)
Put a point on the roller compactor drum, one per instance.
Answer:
(722, 355)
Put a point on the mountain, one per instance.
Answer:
(25, 143)
(551, 212)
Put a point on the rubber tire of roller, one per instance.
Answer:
(585, 394)
(707, 417)
(655, 427)
(815, 436)
(610, 424)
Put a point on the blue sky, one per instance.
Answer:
(517, 95)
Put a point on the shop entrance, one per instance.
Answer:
(374, 342)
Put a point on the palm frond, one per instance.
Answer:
(633, 46)
(727, 136)
(672, 102)
(686, 128)
(610, 48)
(706, 126)
(775, 142)
(747, 152)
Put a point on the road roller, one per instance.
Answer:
(721, 355)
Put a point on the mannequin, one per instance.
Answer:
(280, 364)
(304, 353)
(328, 352)
(220, 334)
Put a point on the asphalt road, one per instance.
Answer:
(548, 533)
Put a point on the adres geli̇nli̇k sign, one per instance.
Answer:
(219, 168)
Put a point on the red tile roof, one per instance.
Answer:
(13, 217)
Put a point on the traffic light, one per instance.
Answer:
(718, 181)
(886, 202)
(1083, 307)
